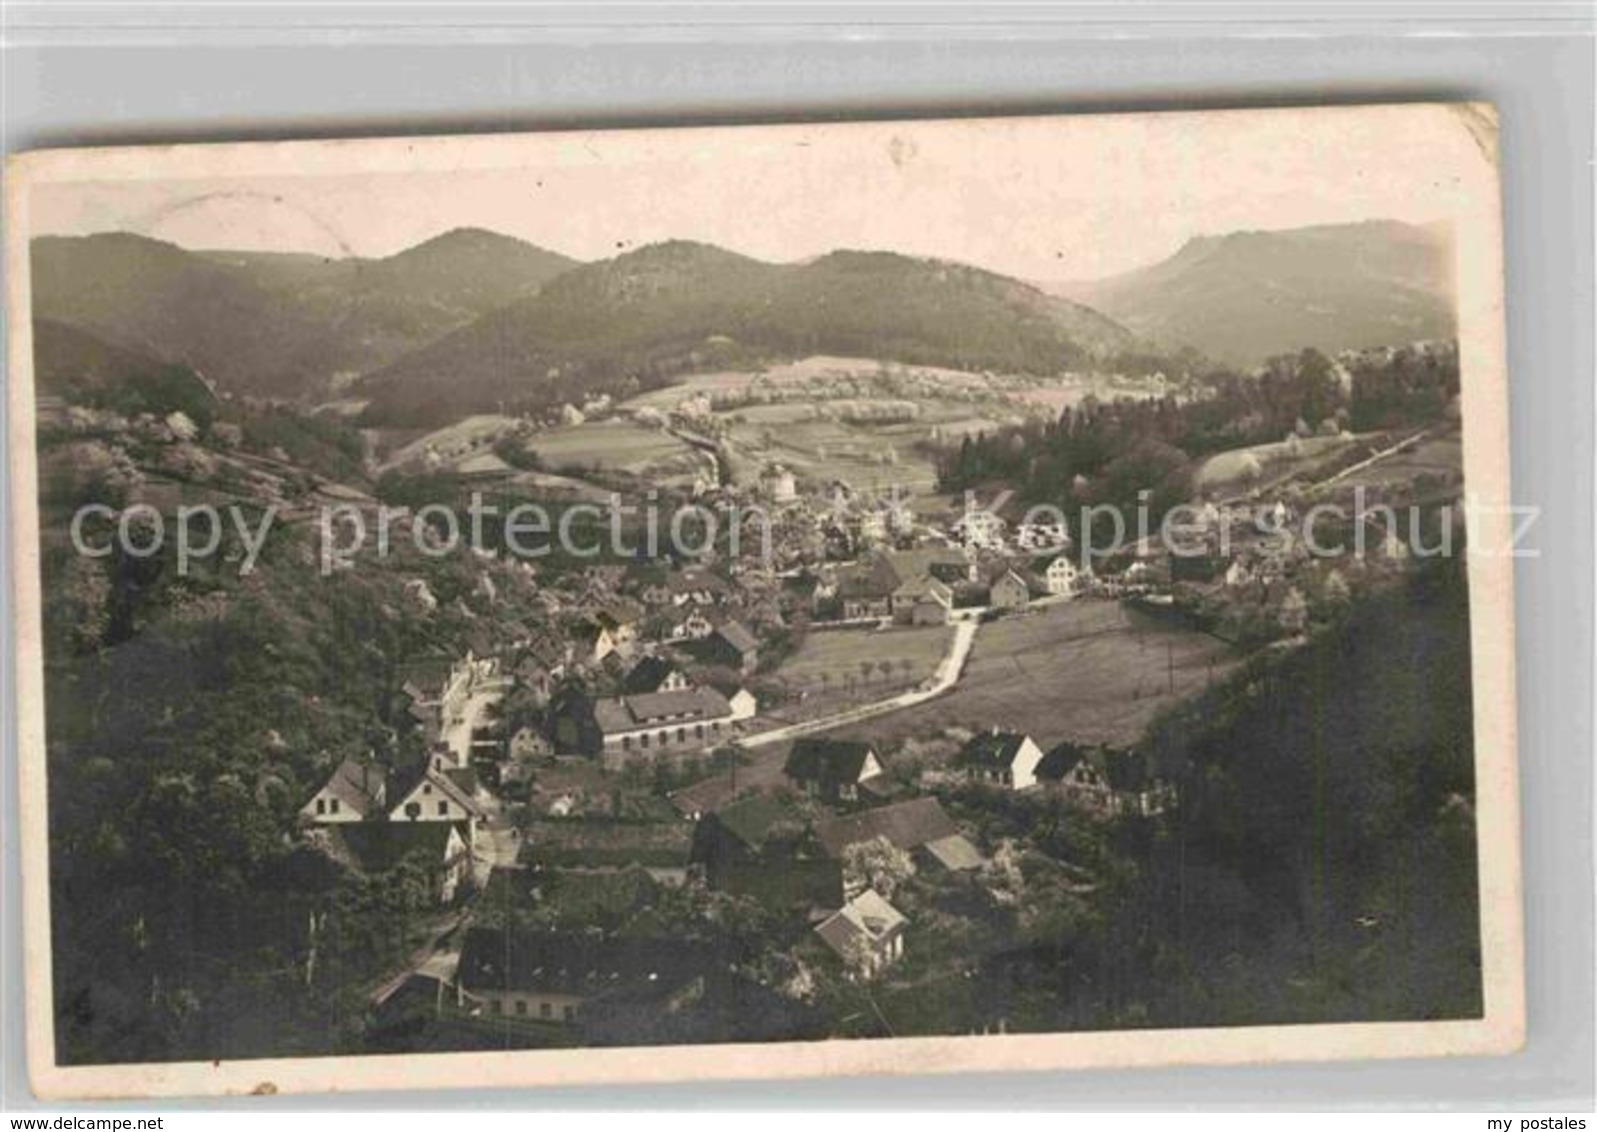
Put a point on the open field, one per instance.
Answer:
(826, 450)
(1088, 670)
(1229, 471)
(464, 437)
(614, 445)
(1434, 456)
(787, 373)
(829, 668)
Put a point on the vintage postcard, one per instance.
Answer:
(894, 597)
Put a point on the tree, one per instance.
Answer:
(877, 863)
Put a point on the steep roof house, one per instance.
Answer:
(1106, 780)
(907, 825)
(867, 934)
(732, 645)
(922, 601)
(430, 795)
(832, 769)
(1010, 591)
(742, 832)
(1001, 758)
(654, 674)
(352, 793)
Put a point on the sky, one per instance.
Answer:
(1043, 198)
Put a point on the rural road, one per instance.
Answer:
(1384, 453)
(946, 676)
(765, 767)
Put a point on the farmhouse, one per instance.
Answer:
(907, 825)
(1001, 758)
(550, 977)
(922, 601)
(732, 645)
(865, 591)
(1010, 591)
(654, 674)
(353, 793)
(379, 847)
(832, 769)
(747, 832)
(432, 796)
(659, 723)
(949, 565)
(695, 587)
(1105, 780)
(867, 934)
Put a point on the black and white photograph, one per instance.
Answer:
(757, 601)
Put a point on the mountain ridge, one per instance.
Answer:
(643, 316)
(1241, 297)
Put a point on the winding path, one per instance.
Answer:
(947, 675)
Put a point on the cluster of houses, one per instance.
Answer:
(1100, 779)
(373, 820)
(925, 585)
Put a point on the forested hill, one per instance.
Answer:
(641, 318)
(281, 325)
(1334, 785)
(1241, 297)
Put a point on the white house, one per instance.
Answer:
(434, 796)
(743, 704)
(353, 792)
(1001, 758)
(867, 933)
(1061, 577)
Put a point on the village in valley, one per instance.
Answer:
(909, 743)
(631, 768)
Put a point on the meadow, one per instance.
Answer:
(830, 669)
(1089, 670)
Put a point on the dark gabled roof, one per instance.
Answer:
(378, 846)
(906, 565)
(827, 761)
(647, 675)
(441, 782)
(1060, 761)
(752, 819)
(734, 634)
(954, 853)
(868, 916)
(585, 964)
(688, 705)
(993, 749)
(357, 784)
(908, 825)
